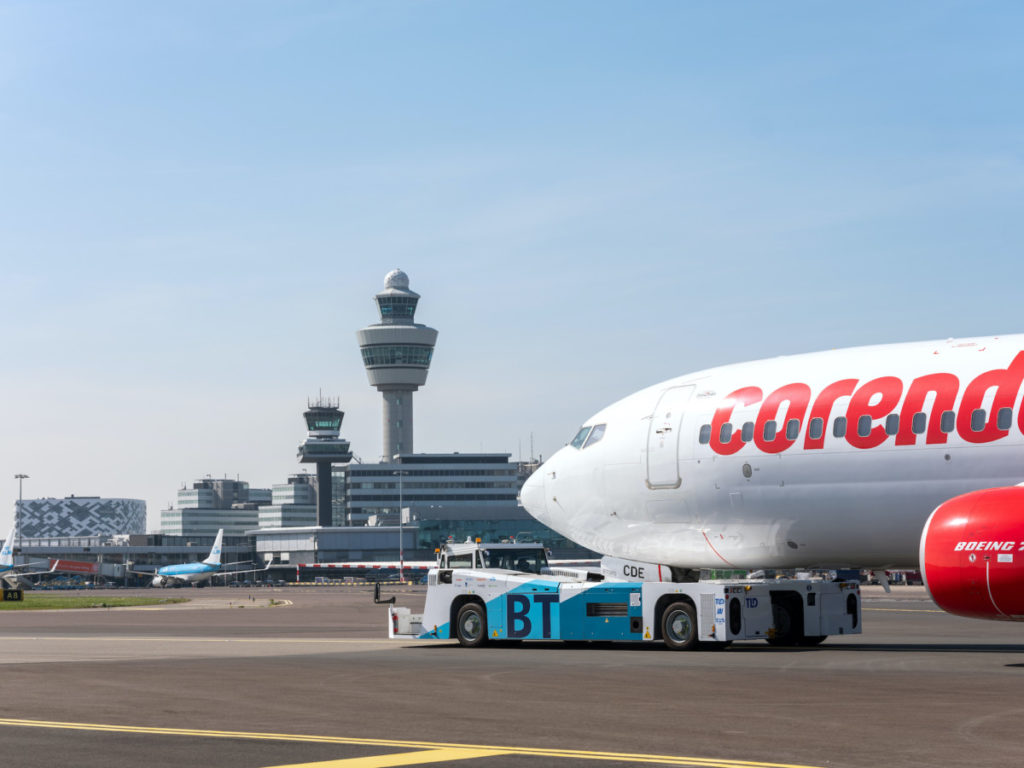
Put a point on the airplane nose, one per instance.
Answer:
(532, 495)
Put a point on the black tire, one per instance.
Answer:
(813, 639)
(679, 627)
(471, 625)
(785, 626)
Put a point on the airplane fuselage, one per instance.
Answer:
(831, 459)
(185, 573)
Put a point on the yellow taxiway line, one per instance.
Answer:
(425, 751)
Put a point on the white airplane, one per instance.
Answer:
(197, 574)
(895, 456)
(10, 572)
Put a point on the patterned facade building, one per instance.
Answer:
(80, 516)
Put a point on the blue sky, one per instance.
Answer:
(198, 201)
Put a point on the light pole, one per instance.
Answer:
(401, 539)
(17, 514)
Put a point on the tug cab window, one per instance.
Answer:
(581, 437)
(525, 560)
(464, 560)
(595, 435)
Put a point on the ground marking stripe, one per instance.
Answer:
(402, 758)
(904, 610)
(693, 762)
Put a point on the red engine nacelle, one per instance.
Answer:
(972, 554)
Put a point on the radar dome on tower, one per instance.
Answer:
(396, 278)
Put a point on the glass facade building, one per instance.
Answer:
(449, 496)
(292, 504)
(211, 504)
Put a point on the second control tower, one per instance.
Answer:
(396, 353)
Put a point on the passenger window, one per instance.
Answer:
(1004, 418)
(705, 434)
(892, 424)
(792, 429)
(725, 433)
(947, 423)
(816, 428)
(839, 427)
(769, 430)
(864, 426)
(581, 437)
(918, 423)
(747, 433)
(595, 435)
(977, 420)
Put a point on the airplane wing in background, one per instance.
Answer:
(17, 569)
(244, 570)
(141, 573)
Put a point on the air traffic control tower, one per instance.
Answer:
(324, 447)
(396, 353)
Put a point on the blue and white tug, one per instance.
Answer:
(480, 593)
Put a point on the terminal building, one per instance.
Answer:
(448, 496)
(214, 503)
(292, 503)
(111, 557)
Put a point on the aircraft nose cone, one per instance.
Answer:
(532, 495)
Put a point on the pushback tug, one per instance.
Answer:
(492, 592)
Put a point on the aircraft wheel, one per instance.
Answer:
(471, 625)
(679, 627)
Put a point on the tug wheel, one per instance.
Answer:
(679, 627)
(471, 625)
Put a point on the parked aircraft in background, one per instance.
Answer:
(8, 570)
(198, 574)
(881, 457)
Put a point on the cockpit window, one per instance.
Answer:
(595, 435)
(581, 437)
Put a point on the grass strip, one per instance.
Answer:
(38, 602)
